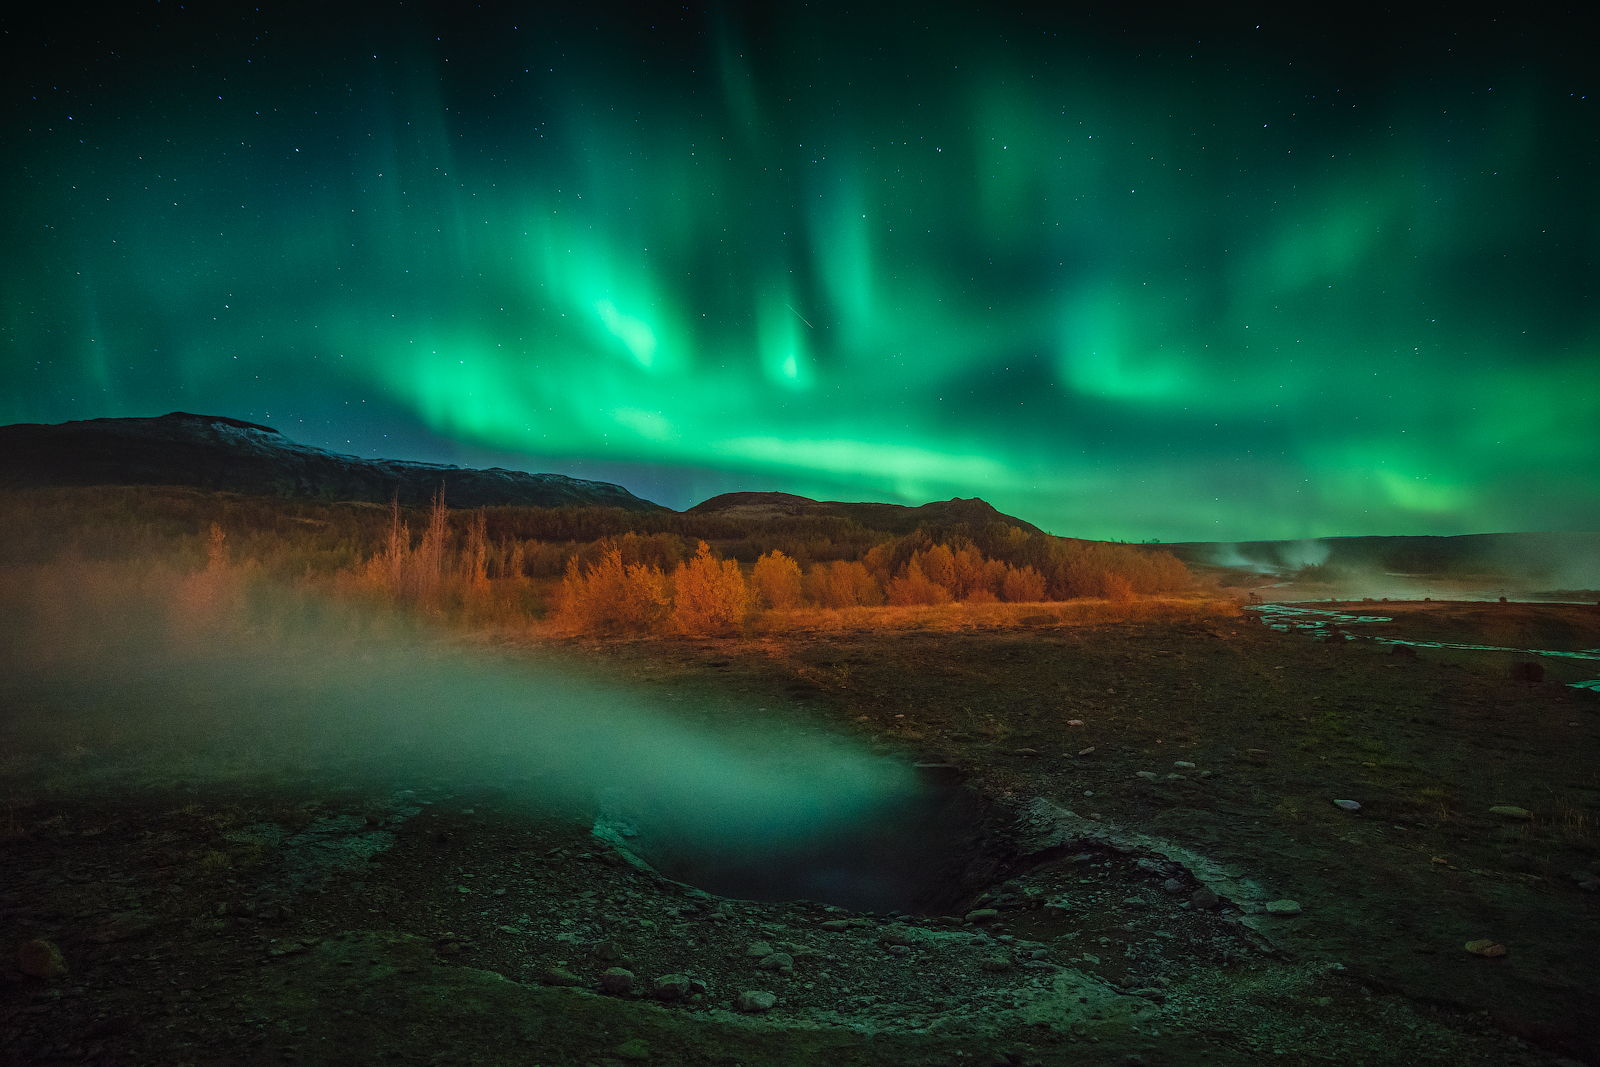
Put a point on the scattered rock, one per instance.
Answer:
(755, 1000)
(1282, 907)
(1204, 898)
(671, 987)
(1486, 947)
(41, 959)
(617, 980)
(1348, 805)
(553, 975)
(1511, 812)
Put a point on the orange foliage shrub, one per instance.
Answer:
(710, 595)
(914, 587)
(1023, 585)
(612, 597)
(842, 585)
(777, 581)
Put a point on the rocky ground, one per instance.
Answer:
(1155, 872)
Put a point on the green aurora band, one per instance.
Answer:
(1121, 288)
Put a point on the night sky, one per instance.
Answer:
(1193, 276)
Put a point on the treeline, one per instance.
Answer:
(627, 585)
(599, 569)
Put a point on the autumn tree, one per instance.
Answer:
(710, 595)
(777, 581)
(609, 596)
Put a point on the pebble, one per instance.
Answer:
(1283, 907)
(671, 987)
(1347, 805)
(755, 1000)
(617, 980)
(1511, 812)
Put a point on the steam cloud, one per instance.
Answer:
(201, 680)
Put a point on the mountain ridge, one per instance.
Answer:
(217, 452)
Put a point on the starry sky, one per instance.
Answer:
(1179, 275)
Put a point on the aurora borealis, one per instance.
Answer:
(1190, 278)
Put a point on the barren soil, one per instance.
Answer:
(1111, 774)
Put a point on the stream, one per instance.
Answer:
(1285, 617)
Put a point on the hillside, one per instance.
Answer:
(890, 518)
(218, 453)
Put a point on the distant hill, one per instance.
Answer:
(891, 518)
(218, 453)
(1570, 558)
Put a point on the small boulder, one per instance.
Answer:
(39, 958)
(895, 935)
(982, 915)
(1204, 898)
(997, 964)
(1282, 907)
(1348, 805)
(777, 961)
(558, 976)
(752, 1000)
(635, 1049)
(617, 980)
(758, 949)
(671, 987)
(607, 952)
